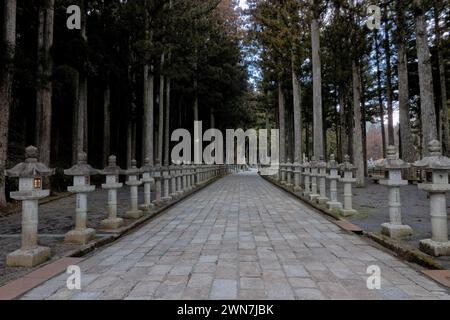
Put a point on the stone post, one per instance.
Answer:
(173, 182)
(283, 173)
(158, 188)
(393, 179)
(133, 182)
(30, 174)
(348, 179)
(297, 172)
(313, 176)
(147, 180)
(179, 179)
(112, 172)
(307, 174)
(333, 176)
(166, 177)
(437, 185)
(289, 174)
(322, 167)
(81, 173)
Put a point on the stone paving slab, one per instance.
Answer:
(241, 238)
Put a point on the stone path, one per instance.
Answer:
(241, 238)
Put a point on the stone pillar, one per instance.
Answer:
(147, 180)
(283, 173)
(133, 182)
(333, 204)
(348, 179)
(297, 172)
(173, 182)
(313, 176)
(393, 167)
(179, 180)
(166, 177)
(289, 174)
(322, 167)
(437, 185)
(307, 176)
(30, 174)
(158, 188)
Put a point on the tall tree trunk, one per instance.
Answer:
(213, 118)
(148, 123)
(358, 158)
(389, 93)
(427, 109)
(363, 122)
(297, 115)
(281, 120)
(106, 124)
(380, 93)
(44, 90)
(167, 125)
(406, 142)
(445, 136)
(317, 89)
(161, 113)
(343, 128)
(6, 80)
(75, 117)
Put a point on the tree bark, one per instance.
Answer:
(167, 125)
(161, 113)
(358, 159)
(380, 93)
(44, 90)
(6, 80)
(281, 120)
(406, 142)
(389, 94)
(445, 135)
(317, 90)
(427, 109)
(148, 123)
(297, 115)
(106, 124)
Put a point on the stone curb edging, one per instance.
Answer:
(100, 242)
(407, 253)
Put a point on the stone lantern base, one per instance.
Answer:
(111, 224)
(82, 236)
(348, 212)
(28, 257)
(147, 207)
(134, 214)
(313, 196)
(322, 200)
(334, 205)
(435, 248)
(169, 198)
(396, 231)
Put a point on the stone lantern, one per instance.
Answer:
(347, 179)
(437, 187)
(393, 179)
(322, 175)
(297, 172)
(306, 173)
(158, 185)
(133, 182)
(173, 181)
(165, 178)
(81, 173)
(179, 178)
(112, 172)
(288, 169)
(147, 180)
(333, 204)
(313, 176)
(30, 174)
(283, 173)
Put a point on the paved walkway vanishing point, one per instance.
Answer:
(241, 238)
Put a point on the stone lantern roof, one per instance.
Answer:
(31, 167)
(347, 166)
(321, 163)
(146, 167)
(392, 160)
(82, 168)
(112, 169)
(435, 160)
(134, 170)
(332, 164)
